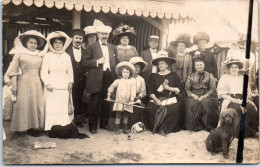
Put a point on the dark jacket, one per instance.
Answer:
(95, 73)
(147, 56)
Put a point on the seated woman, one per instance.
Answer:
(162, 86)
(201, 112)
(230, 89)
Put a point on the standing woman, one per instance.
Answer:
(57, 75)
(123, 34)
(28, 111)
(162, 86)
(183, 65)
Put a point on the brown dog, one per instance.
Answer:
(220, 138)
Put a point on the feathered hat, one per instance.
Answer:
(183, 38)
(200, 36)
(124, 30)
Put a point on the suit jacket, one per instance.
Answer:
(210, 62)
(187, 67)
(78, 69)
(147, 56)
(95, 73)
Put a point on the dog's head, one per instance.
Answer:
(80, 121)
(229, 117)
(138, 127)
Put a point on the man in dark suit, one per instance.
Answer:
(148, 55)
(100, 60)
(76, 52)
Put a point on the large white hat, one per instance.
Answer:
(90, 30)
(100, 27)
(163, 56)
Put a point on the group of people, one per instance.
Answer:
(167, 91)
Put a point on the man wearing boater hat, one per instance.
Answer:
(201, 39)
(100, 61)
(76, 51)
(148, 55)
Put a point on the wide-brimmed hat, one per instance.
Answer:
(77, 32)
(126, 64)
(140, 61)
(124, 30)
(100, 27)
(154, 38)
(90, 30)
(183, 38)
(234, 61)
(163, 56)
(40, 38)
(200, 36)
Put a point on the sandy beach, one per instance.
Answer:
(107, 148)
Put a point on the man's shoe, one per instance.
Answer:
(94, 131)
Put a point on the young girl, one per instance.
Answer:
(125, 93)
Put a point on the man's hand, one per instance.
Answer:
(101, 60)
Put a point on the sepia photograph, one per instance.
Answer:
(130, 82)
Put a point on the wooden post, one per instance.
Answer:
(76, 19)
(164, 34)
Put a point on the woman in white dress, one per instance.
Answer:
(57, 75)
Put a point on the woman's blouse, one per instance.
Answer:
(196, 81)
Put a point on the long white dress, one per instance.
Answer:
(57, 71)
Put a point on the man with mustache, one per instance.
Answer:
(76, 51)
(100, 61)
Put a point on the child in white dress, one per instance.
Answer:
(125, 88)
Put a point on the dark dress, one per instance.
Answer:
(209, 107)
(171, 121)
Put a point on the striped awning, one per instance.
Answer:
(148, 8)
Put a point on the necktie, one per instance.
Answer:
(76, 47)
(104, 43)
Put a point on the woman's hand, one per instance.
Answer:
(14, 89)
(195, 97)
(49, 88)
(70, 86)
(158, 102)
(201, 98)
(109, 98)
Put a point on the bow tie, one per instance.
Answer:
(76, 47)
(104, 43)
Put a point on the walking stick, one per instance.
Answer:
(113, 101)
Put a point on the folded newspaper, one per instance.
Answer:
(169, 101)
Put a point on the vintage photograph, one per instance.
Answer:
(130, 82)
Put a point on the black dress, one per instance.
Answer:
(171, 120)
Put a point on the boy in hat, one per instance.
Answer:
(148, 55)
(201, 39)
(100, 60)
(76, 51)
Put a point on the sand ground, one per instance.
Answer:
(108, 148)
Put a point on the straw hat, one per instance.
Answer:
(154, 38)
(200, 36)
(40, 38)
(90, 30)
(140, 61)
(126, 64)
(234, 61)
(183, 38)
(163, 56)
(100, 27)
(124, 30)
